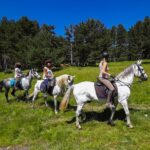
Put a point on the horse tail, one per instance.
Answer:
(1, 86)
(66, 98)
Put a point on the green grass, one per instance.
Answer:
(21, 126)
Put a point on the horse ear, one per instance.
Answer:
(139, 62)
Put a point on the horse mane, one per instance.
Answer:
(126, 72)
(60, 80)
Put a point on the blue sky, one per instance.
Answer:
(61, 13)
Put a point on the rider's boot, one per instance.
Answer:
(13, 91)
(15, 88)
(109, 103)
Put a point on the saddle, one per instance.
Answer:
(102, 91)
(13, 82)
(48, 85)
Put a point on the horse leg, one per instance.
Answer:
(35, 93)
(55, 104)
(6, 94)
(13, 93)
(83, 116)
(110, 121)
(113, 110)
(26, 95)
(45, 99)
(126, 109)
(78, 112)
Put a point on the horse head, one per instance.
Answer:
(139, 71)
(65, 80)
(34, 73)
(70, 80)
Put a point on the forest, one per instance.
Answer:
(24, 40)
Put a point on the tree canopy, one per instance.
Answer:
(25, 41)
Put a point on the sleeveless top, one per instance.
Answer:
(101, 75)
(18, 73)
(49, 73)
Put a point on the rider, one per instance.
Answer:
(47, 72)
(104, 75)
(18, 76)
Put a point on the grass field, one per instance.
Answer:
(22, 127)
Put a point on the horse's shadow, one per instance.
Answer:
(104, 115)
(148, 62)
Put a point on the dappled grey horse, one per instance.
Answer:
(25, 83)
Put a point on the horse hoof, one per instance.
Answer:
(56, 112)
(111, 123)
(33, 107)
(84, 118)
(78, 126)
(130, 126)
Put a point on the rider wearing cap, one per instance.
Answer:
(104, 75)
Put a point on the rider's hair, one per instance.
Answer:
(48, 61)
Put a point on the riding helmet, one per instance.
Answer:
(105, 55)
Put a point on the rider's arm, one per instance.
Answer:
(104, 68)
(46, 74)
(52, 74)
(18, 72)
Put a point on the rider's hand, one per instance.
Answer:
(112, 76)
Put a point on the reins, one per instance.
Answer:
(128, 84)
(125, 84)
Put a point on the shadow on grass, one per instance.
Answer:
(148, 62)
(104, 115)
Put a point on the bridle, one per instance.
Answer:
(140, 70)
(35, 74)
(70, 81)
(128, 84)
(124, 84)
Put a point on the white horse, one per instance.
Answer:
(62, 82)
(85, 91)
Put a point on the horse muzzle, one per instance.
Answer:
(144, 77)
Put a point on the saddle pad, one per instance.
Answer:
(43, 86)
(101, 91)
(12, 82)
(47, 86)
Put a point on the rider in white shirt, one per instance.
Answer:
(18, 75)
(47, 72)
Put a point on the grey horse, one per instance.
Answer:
(25, 83)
